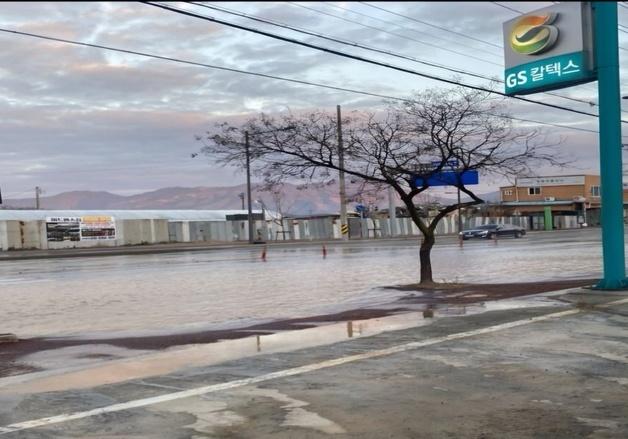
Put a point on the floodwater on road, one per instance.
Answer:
(191, 291)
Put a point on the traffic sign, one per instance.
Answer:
(448, 178)
(453, 164)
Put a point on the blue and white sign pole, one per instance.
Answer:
(606, 47)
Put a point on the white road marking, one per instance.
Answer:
(616, 302)
(18, 281)
(275, 375)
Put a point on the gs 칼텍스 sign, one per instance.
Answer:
(549, 48)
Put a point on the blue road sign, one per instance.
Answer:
(449, 164)
(449, 178)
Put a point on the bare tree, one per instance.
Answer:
(280, 206)
(393, 149)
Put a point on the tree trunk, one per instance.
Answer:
(425, 258)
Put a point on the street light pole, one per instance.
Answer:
(459, 215)
(341, 176)
(459, 220)
(264, 225)
(248, 186)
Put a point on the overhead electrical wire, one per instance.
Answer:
(362, 59)
(432, 25)
(263, 75)
(341, 41)
(372, 49)
(379, 29)
(508, 7)
(584, 101)
(408, 29)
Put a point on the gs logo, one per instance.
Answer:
(533, 34)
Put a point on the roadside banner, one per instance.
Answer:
(82, 228)
(95, 227)
(63, 229)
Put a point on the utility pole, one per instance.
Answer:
(37, 193)
(459, 219)
(392, 213)
(341, 178)
(241, 195)
(248, 187)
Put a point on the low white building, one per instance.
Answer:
(52, 229)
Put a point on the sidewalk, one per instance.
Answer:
(543, 370)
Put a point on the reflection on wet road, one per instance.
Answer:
(188, 291)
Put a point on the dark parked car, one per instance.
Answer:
(490, 231)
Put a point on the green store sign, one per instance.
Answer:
(548, 74)
(549, 48)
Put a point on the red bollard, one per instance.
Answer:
(324, 252)
(264, 254)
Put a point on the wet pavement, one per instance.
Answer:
(553, 365)
(548, 366)
(183, 292)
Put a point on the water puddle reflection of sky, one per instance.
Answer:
(95, 364)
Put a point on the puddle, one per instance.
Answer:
(76, 375)
(83, 366)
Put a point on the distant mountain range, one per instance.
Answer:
(294, 200)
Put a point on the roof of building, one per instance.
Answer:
(171, 215)
(537, 203)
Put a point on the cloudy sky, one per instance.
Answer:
(79, 118)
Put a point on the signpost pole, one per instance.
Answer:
(606, 48)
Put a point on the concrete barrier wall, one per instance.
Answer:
(10, 236)
(32, 234)
(14, 235)
(136, 232)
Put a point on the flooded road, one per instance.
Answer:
(190, 291)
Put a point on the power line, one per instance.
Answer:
(382, 30)
(366, 60)
(450, 31)
(194, 63)
(345, 42)
(463, 35)
(263, 75)
(379, 29)
(408, 29)
(508, 7)
(431, 25)
(372, 49)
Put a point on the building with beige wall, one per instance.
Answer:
(543, 199)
